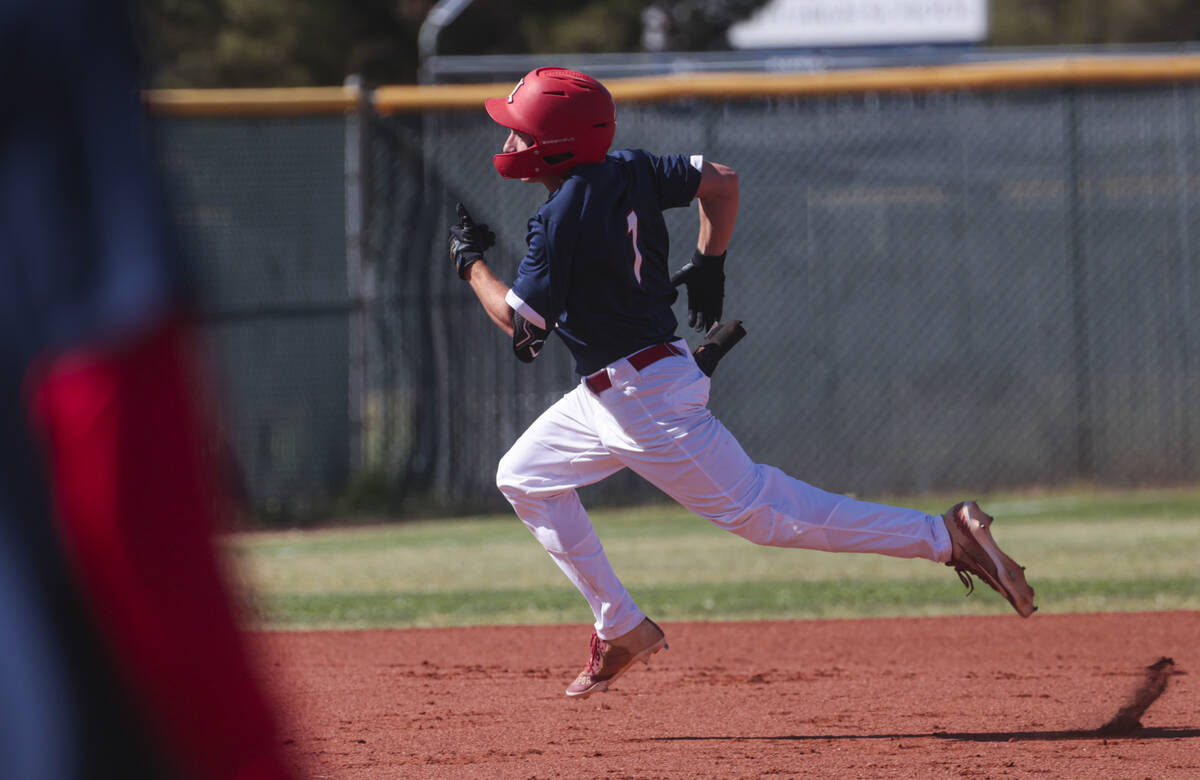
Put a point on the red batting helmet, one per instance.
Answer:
(570, 115)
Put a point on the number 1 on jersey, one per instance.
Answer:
(631, 229)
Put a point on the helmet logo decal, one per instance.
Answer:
(520, 84)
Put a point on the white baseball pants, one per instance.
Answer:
(657, 423)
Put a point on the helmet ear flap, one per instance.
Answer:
(525, 164)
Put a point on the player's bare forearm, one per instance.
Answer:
(718, 197)
(491, 292)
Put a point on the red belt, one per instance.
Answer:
(599, 381)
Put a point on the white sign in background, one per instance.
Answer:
(785, 23)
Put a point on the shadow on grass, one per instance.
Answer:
(1165, 732)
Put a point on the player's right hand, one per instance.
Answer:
(468, 241)
(705, 280)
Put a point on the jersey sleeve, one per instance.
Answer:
(676, 177)
(539, 293)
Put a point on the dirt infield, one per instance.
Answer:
(930, 697)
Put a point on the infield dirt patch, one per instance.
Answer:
(907, 698)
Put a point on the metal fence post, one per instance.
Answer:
(360, 274)
(1079, 292)
(1186, 335)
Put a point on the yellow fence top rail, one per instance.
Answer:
(991, 75)
(287, 101)
(1022, 74)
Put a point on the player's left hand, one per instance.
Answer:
(468, 241)
(705, 280)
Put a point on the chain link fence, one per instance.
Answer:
(943, 291)
(261, 205)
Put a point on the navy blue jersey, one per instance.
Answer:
(596, 271)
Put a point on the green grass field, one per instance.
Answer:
(1085, 551)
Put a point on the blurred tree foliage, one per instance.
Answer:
(244, 43)
(237, 43)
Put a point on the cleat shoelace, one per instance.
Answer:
(964, 576)
(597, 650)
(964, 568)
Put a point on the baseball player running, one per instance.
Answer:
(596, 273)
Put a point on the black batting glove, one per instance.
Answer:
(468, 241)
(705, 280)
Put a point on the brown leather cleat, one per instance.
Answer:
(974, 551)
(612, 658)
